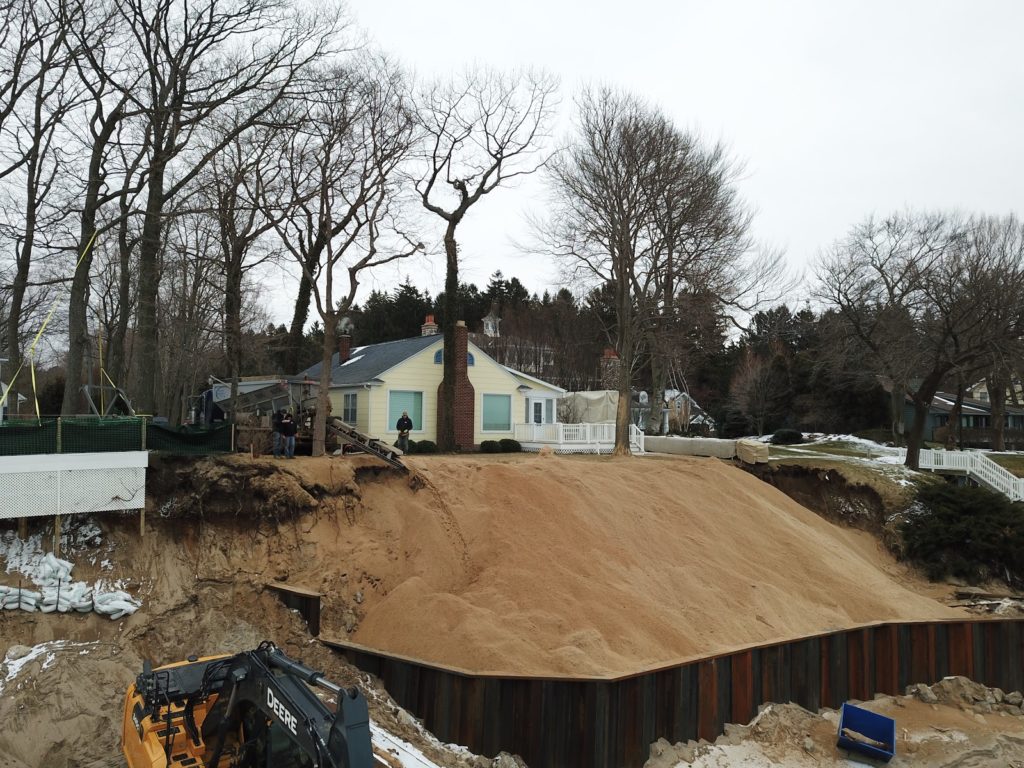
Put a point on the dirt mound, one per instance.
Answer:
(602, 567)
(544, 565)
(942, 735)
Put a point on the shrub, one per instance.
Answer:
(423, 446)
(508, 445)
(787, 437)
(490, 446)
(970, 533)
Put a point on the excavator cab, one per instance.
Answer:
(256, 709)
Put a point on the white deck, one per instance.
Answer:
(72, 483)
(575, 438)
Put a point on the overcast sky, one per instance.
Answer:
(838, 109)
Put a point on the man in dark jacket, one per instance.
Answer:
(404, 426)
(288, 430)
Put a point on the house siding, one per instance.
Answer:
(419, 373)
(416, 374)
(362, 405)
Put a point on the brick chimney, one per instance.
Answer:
(344, 348)
(465, 396)
(429, 327)
(609, 369)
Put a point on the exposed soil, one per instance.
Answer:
(523, 564)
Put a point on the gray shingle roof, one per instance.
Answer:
(367, 363)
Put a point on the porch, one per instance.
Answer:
(575, 438)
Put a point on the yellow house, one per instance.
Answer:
(372, 385)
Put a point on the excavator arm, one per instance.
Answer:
(257, 709)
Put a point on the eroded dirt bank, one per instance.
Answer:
(515, 564)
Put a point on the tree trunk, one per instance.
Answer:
(149, 284)
(295, 332)
(954, 430)
(118, 346)
(233, 323)
(897, 404)
(996, 384)
(446, 408)
(659, 378)
(78, 302)
(323, 397)
(922, 404)
(624, 316)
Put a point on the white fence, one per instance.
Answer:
(72, 483)
(977, 466)
(575, 438)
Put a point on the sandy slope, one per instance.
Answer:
(602, 567)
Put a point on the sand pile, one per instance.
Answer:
(589, 566)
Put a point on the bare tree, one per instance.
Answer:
(607, 187)
(336, 207)
(199, 60)
(480, 131)
(40, 94)
(927, 295)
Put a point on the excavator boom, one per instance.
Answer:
(255, 709)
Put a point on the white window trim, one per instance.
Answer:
(387, 410)
(511, 421)
(343, 407)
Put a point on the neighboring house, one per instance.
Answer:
(979, 391)
(372, 385)
(975, 421)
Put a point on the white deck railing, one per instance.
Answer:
(576, 436)
(977, 466)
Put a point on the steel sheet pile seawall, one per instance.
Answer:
(610, 723)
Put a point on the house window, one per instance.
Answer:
(411, 402)
(348, 410)
(497, 413)
(439, 358)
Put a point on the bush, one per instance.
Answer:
(970, 533)
(508, 445)
(787, 437)
(490, 446)
(422, 446)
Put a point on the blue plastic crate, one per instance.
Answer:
(870, 724)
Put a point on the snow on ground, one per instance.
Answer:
(406, 753)
(18, 657)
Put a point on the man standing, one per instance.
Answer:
(275, 421)
(404, 426)
(288, 430)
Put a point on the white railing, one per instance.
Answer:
(975, 465)
(597, 435)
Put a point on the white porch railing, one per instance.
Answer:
(976, 466)
(576, 438)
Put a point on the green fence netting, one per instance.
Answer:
(92, 434)
(96, 435)
(189, 441)
(19, 437)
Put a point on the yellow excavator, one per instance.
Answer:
(255, 709)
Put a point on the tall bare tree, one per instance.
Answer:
(480, 131)
(199, 60)
(337, 204)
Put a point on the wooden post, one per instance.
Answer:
(56, 535)
(142, 523)
(23, 528)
